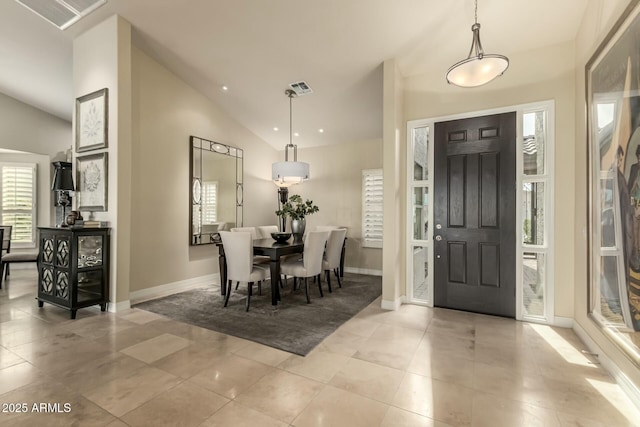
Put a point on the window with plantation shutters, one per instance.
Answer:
(372, 208)
(18, 201)
(209, 202)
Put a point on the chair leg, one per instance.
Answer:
(306, 289)
(1, 274)
(319, 284)
(327, 274)
(249, 292)
(338, 277)
(226, 298)
(280, 280)
(237, 284)
(260, 287)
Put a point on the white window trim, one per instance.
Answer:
(34, 198)
(548, 247)
(368, 243)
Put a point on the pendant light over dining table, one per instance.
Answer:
(478, 68)
(287, 173)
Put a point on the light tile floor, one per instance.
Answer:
(414, 367)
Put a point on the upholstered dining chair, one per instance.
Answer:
(311, 263)
(252, 230)
(264, 231)
(258, 259)
(325, 227)
(238, 248)
(6, 244)
(331, 260)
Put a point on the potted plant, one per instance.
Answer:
(297, 210)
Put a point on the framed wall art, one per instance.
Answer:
(92, 121)
(92, 182)
(613, 120)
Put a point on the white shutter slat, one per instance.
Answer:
(18, 192)
(372, 201)
(210, 202)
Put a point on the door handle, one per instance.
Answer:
(438, 238)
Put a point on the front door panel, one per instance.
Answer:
(475, 190)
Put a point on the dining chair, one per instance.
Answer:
(325, 227)
(238, 248)
(252, 230)
(311, 263)
(331, 260)
(257, 259)
(264, 231)
(6, 243)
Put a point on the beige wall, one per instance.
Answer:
(394, 163)
(166, 111)
(598, 20)
(25, 128)
(336, 188)
(529, 79)
(102, 59)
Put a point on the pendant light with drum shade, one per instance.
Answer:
(478, 68)
(288, 173)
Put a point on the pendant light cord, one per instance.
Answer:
(476, 12)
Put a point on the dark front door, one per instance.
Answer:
(474, 212)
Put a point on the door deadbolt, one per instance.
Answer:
(438, 226)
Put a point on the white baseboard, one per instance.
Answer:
(368, 271)
(563, 322)
(119, 306)
(391, 305)
(623, 381)
(172, 288)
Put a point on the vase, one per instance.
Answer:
(297, 228)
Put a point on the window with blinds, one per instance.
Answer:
(209, 202)
(372, 208)
(18, 201)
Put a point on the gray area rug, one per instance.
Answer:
(296, 327)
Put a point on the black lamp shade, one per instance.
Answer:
(63, 177)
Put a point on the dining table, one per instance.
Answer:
(267, 247)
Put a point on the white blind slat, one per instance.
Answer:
(18, 192)
(209, 202)
(372, 201)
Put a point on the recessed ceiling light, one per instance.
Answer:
(321, 130)
(296, 134)
(224, 88)
(276, 129)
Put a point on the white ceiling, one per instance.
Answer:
(257, 47)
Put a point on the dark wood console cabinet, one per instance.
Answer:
(73, 267)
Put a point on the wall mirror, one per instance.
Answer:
(215, 189)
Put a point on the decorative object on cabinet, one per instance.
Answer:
(62, 184)
(92, 178)
(215, 188)
(73, 267)
(92, 113)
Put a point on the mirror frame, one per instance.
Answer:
(196, 238)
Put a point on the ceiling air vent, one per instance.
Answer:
(62, 13)
(301, 88)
